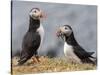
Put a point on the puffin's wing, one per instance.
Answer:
(31, 43)
(81, 53)
(90, 53)
(31, 40)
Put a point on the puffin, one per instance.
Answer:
(72, 50)
(33, 38)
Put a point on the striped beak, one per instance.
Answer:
(59, 32)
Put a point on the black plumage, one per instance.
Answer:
(78, 50)
(84, 56)
(31, 41)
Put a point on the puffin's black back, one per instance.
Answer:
(34, 24)
(71, 40)
(31, 41)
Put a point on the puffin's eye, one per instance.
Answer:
(65, 27)
(34, 11)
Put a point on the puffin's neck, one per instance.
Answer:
(34, 24)
(71, 40)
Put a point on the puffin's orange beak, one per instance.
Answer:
(58, 33)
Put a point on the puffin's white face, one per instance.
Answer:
(36, 13)
(64, 30)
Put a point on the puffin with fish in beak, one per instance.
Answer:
(72, 49)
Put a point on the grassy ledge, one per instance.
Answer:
(47, 65)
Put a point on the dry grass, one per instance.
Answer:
(49, 65)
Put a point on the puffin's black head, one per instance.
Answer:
(36, 13)
(65, 30)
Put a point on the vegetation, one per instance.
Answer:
(49, 65)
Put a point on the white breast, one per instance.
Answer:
(40, 30)
(68, 51)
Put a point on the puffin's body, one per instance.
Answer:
(72, 49)
(68, 51)
(33, 38)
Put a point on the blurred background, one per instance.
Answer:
(82, 19)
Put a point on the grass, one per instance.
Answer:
(47, 65)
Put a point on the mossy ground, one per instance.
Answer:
(49, 65)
